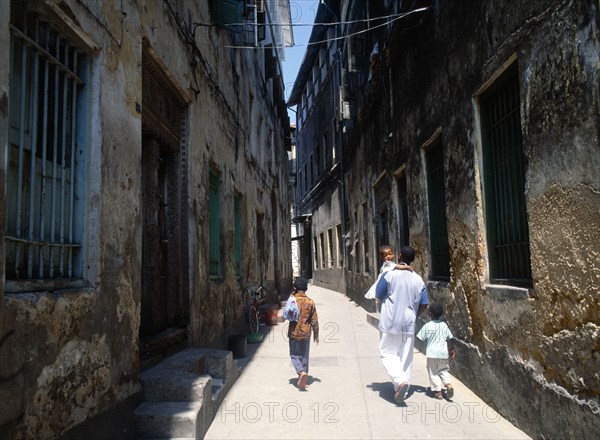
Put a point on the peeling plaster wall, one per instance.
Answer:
(533, 357)
(244, 143)
(69, 356)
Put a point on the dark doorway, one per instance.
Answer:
(164, 303)
(162, 300)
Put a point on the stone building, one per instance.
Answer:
(471, 132)
(319, 207)
(142, 190)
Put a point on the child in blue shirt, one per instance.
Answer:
(438, 336)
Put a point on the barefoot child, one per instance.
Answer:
(299, 331)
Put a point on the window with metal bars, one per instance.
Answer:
(323, 252)
(504, 183)
(381, 194)
(315, 254)
(340, 245)
(436, 199)
(403, 236)
(46, 153)
(237, 224)
(357, 250)
(214, 219)
(366, 233)
(331, 244)
(349, 244)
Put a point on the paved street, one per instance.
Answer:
(349, 395)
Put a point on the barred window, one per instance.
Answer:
(46, 153)
(315, 254)
(323, 252)
(504, 183)
(237, 224)
(331, 244)
(366, 232)
(403, 227)
(214, 224)
(381, 193)
(340, 245)
(436, 198)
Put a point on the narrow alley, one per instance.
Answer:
(163, 163)
(349, 394)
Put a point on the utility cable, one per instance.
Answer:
(343, 36)
(331, 23)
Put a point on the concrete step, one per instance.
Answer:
(170, 438)
(178, 386)
(182, 393)
(167, 419)
(216, 363)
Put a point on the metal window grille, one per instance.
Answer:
(340, 245)
(237, 212)
(381, 195)
(366, 237)
(46, 152)
(438, 229)
(504, 183)
(315, 254)
(214, 209)
(403, 229)
(331, 247)
(323, 253)
(349, 244)
(357, 251)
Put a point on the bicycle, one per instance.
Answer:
(254, 312)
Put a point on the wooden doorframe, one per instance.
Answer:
(165, 303)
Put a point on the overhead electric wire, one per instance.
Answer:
(397, 17)
(331, 23)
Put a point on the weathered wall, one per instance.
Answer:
(326, 216)
(70, 356)
(242, 140)
(533, 356)
(318, 148)
(5, 375)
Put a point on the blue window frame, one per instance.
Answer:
(47, 149)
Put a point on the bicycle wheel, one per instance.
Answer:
(253, 319)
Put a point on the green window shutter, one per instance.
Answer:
(229, 14)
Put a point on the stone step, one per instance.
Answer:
(218, 386)
(171, 438)
(215, 363)
(167, 419)
(178, 386)
(182, 393)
